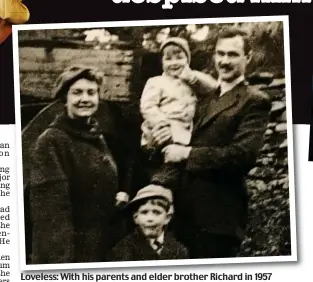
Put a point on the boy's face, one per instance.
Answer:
(174, 60)
(151, 219)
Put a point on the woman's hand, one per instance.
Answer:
(121, 197)
(161, 133)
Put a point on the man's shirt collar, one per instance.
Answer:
(227, 86)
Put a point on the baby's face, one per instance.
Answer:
(174, 60)
(151, 219)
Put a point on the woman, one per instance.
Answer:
(73, 178)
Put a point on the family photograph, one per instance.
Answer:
(157, 142)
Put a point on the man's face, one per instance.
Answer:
(151, 219)
(230, 58)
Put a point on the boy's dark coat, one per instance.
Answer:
(135, 247)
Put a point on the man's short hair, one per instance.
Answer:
(230, 32)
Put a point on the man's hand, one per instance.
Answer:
(175, 153)
(161, 133)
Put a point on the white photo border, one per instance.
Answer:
(236, 260)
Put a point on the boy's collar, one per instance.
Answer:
(160, 239)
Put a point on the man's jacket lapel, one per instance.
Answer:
(207, 110)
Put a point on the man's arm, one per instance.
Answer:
(241, 154)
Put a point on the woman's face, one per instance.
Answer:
(82, 99)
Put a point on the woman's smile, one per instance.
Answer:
(82, 99)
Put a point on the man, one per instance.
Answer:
(211, 204)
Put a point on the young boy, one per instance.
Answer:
(151, 209)
(170, 100)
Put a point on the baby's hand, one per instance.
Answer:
(121, 198)
(187, 74)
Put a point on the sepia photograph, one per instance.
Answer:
(152, 143)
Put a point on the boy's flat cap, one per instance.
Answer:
(152, 191)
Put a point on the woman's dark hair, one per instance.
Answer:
(71, 75)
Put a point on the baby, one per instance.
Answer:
(170, 100)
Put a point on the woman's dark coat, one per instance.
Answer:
(73, 182)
